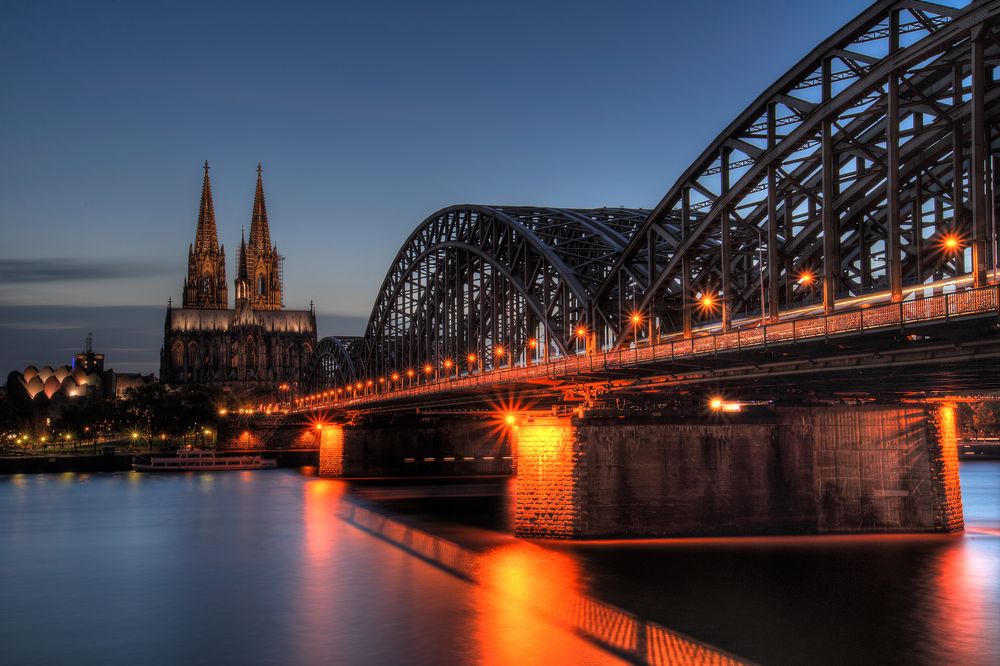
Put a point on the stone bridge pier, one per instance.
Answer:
(417, 447)
(783, 470)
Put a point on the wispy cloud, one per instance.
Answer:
(41, 270)
(38, 326)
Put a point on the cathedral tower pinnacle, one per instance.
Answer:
(259, 262)
(205, 286)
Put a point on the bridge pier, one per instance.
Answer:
(786, 470)
(415, 447)
(792, 470)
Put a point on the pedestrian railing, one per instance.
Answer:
(855, 321)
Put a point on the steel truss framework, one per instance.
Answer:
(845, 177)
(478, 287)
(333, 362)
(873, 165)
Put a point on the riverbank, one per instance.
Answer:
(122, 462)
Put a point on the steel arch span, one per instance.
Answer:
(479, 287)
(870, 166)
(333, 363)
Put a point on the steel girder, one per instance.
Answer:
(506, 284)
(333, 363)
(848, 171)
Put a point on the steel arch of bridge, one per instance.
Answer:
(845, 177)
(488, 286)
(333, 362)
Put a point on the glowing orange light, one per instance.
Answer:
(410, 373)
(715, 404)
(447, 363)
(532, 343)
(223, 412)
(499, 351)
(510, 419)
(806, 278)
(472, 358)
(381, 380)
(395, 377)
(707, 301)
(635, 318)
(358, 386)
(428, 368)
(951, 242)
(581, 331)
(369, 382)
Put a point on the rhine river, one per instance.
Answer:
(272, 568)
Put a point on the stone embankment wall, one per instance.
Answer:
(798, 470)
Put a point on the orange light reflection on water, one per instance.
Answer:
(964, 593)
(524, 601)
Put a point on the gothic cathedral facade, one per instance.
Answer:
(257, 343)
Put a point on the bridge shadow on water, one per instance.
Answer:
(523, 575)
(547, 581)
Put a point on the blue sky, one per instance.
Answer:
(367, 117)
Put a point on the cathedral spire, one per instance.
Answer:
(242, 272)
(205, 286)
(260, 234)
(241, 269)
(207, 238)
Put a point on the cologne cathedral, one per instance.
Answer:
(257, 343)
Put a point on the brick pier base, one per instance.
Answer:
(796, 470)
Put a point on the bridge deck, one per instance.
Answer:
(760, 349)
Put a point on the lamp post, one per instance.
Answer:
(499, 352)
(760, 267)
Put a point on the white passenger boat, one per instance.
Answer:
(195, 460)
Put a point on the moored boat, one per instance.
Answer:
(197, 460)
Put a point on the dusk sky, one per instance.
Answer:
(366, 116)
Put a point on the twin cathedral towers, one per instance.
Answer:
(257, 343)
(258, 272)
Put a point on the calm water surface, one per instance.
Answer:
(257, 568)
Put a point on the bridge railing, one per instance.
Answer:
(854, 321)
